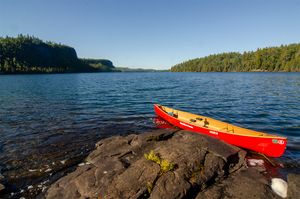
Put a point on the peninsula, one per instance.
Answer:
(28, 54)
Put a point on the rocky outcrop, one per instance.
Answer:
(162, 164)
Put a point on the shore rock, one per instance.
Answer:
(293, 185)
(199, 167)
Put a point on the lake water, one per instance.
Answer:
(47, 120)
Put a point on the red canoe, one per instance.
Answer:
(268, 144)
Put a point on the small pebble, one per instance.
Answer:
(48, 170)
(45, 182)
(44, 188)
(105, 172)
(81, 164)
(30, 187)
(63, 161)
(255, 162)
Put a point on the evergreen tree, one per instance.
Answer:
(283, 58)
(28, 54)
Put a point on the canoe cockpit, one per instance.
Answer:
(209, 123)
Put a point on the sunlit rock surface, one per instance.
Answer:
(204, 168)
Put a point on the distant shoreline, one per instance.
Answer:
(133, 71)
(40, 73)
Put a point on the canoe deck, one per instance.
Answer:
(268, 144)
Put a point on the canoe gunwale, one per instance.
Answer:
(265, 135)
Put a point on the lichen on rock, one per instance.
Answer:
(164, 164)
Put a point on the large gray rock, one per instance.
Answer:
(293, 186)
(117, 168)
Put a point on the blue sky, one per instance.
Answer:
(154, 33)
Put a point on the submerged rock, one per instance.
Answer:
(197, 166)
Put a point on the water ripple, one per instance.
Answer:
(47, 118)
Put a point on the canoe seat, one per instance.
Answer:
(227, 129)
(231, 130)
(222, 129)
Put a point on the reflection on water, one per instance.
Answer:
(48, 119)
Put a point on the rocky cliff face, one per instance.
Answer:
(163, 164)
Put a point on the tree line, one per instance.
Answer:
(28, 54)
(273, 59)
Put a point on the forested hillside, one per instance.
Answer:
(27, 54)
(101, 65)
(283, 58)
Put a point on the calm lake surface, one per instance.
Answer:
(48, 119)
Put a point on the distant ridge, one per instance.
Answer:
(273, 59)
(28, 54)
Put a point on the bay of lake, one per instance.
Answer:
(47, 119)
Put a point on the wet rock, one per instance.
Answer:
(293, 186)
(117, 168)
